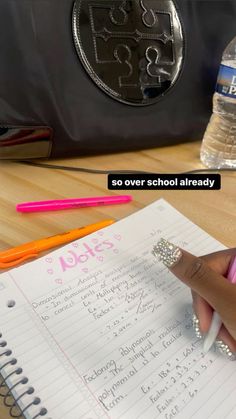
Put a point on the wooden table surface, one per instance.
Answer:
(214, 211)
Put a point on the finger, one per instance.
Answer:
(227, 338)
(203, 312)
(220, 261)
(196, 273)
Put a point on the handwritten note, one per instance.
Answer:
(120, 325)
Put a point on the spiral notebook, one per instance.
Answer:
(101, 329)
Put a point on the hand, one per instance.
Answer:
(206, 276)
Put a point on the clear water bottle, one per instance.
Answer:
(219, 143)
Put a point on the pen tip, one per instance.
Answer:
(207, 344)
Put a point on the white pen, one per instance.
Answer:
(216, 320)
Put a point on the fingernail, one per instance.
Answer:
(167, 253)
(196, 327)
(225, 350)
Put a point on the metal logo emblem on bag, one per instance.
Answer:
(133, 50)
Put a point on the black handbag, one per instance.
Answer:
(95, 76)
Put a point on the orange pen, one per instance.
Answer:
(16, 255)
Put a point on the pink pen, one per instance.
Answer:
(62, 204)
(216, 320)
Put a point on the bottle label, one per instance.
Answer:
(226, 82)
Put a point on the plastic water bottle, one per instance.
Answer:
(219, 143)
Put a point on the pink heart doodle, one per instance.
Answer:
(49, 260)
(75, 244)
(117, 237)
(50, 271)
(85, 270)
(59, 281)
(100, 258)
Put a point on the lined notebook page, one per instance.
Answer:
(103, 330)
